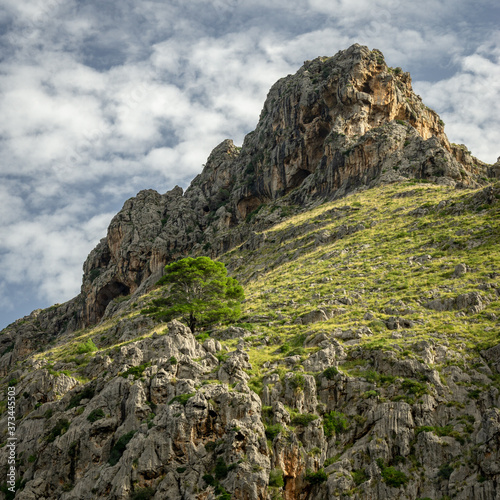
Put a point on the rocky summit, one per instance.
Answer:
(366, 364)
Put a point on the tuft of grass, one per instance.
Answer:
(85, 347)
(182, 399)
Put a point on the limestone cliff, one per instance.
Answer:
(338, 124)
(367, 364)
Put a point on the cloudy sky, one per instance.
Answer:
(100, 99)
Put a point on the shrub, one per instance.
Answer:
(209, 479)
(85, 347)
(59, 429)
(297, 382)
(276, 478)
(201, 337)
(182, 398)
(119, 448)
(303, 419)
(414, 387)
(94, 274)
(330, 373)
(445, 471)
(143, 494)
(392, 476)
(273, 430)
(222, 470)
(360, 476)
(332, 460)
(87, 393)
(316, 477)
(136, 371)
(335, 423)
(210, 446)
(424, 428)
(95, 415)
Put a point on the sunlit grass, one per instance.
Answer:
(300, 268)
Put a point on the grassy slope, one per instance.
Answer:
(372, 268)
(295, 271)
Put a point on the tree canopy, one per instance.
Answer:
(200, 292)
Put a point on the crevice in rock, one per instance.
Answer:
(107, 294)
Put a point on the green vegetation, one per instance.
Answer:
(273, 430)
(330, 373)
(95, 415)
(85, 347)
(303, 419)
(445, 471)
(221, 471)
(119, 448)
(392, 476)
(200, 292)
(276, 478)
(447, 430)
(360, 476)
(316, 477)
(136, 371)
(297, 382)
(182, 399)
(143, 494)
(87, 393)
(365, 279)
(335, 423)
(58, 430)
(332, 460)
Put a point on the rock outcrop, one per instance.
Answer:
(327, 388)
(338, 124)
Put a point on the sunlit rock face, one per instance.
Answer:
(338, 124)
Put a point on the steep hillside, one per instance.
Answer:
(366, 366)
(367, 361)
(338, 124)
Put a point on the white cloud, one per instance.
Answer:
(468, 102)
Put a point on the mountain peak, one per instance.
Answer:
(367, 358)
(338, 124)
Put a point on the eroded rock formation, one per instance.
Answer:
(338, 124)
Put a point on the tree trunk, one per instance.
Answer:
(192, 322)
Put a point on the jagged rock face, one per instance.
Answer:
(161, 414)
(174, 431)
(338, 124)
(345, 119)
(153, 423)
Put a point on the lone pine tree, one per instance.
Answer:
(200, 292)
